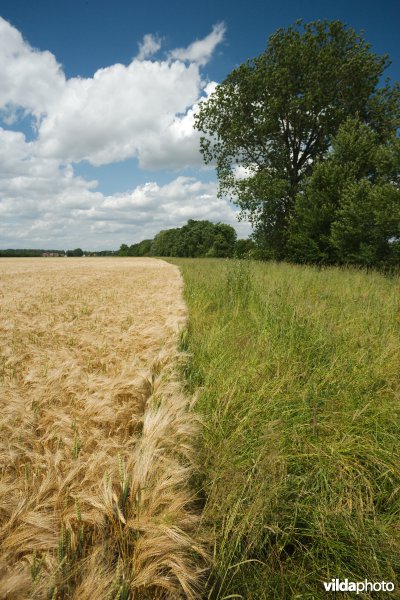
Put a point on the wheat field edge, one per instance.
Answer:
(97, 436)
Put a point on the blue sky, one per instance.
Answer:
(97, 101)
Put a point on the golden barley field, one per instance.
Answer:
(96, 444)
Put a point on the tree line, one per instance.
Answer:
(195, 239)
(305, 141)
(21, 252)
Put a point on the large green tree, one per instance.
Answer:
(274, 116)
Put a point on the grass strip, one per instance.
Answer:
(297, 371)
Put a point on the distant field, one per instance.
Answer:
(96, 439)
(297, 371)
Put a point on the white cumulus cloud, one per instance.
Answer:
(43, 204)
(28, 78)
(149, 46)
(121, 112)
(143, 110)
(201, 51)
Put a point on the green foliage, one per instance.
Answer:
(296, 370)
(245, 248)
(101, 253)
(276, 115)
(196, 238)
(349, 210)
(123, 251)
(366, 230)
(224, 242)
(143, 248)
(76, 252)
(167, 243)
(28, 252)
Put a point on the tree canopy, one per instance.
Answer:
(274, 118)
(349, 210)
(196, 238)
(143, 248)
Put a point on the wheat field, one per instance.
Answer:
(96, 444)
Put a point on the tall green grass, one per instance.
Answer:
(297, 371)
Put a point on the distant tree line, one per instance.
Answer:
(102, 253)
(29, 252)
(143, 248)
(195, 239)
(34, 252)
(80, 252)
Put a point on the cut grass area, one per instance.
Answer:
(297, 371)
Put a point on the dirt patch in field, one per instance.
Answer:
(96, 436)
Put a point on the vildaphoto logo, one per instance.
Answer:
(336, 585)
